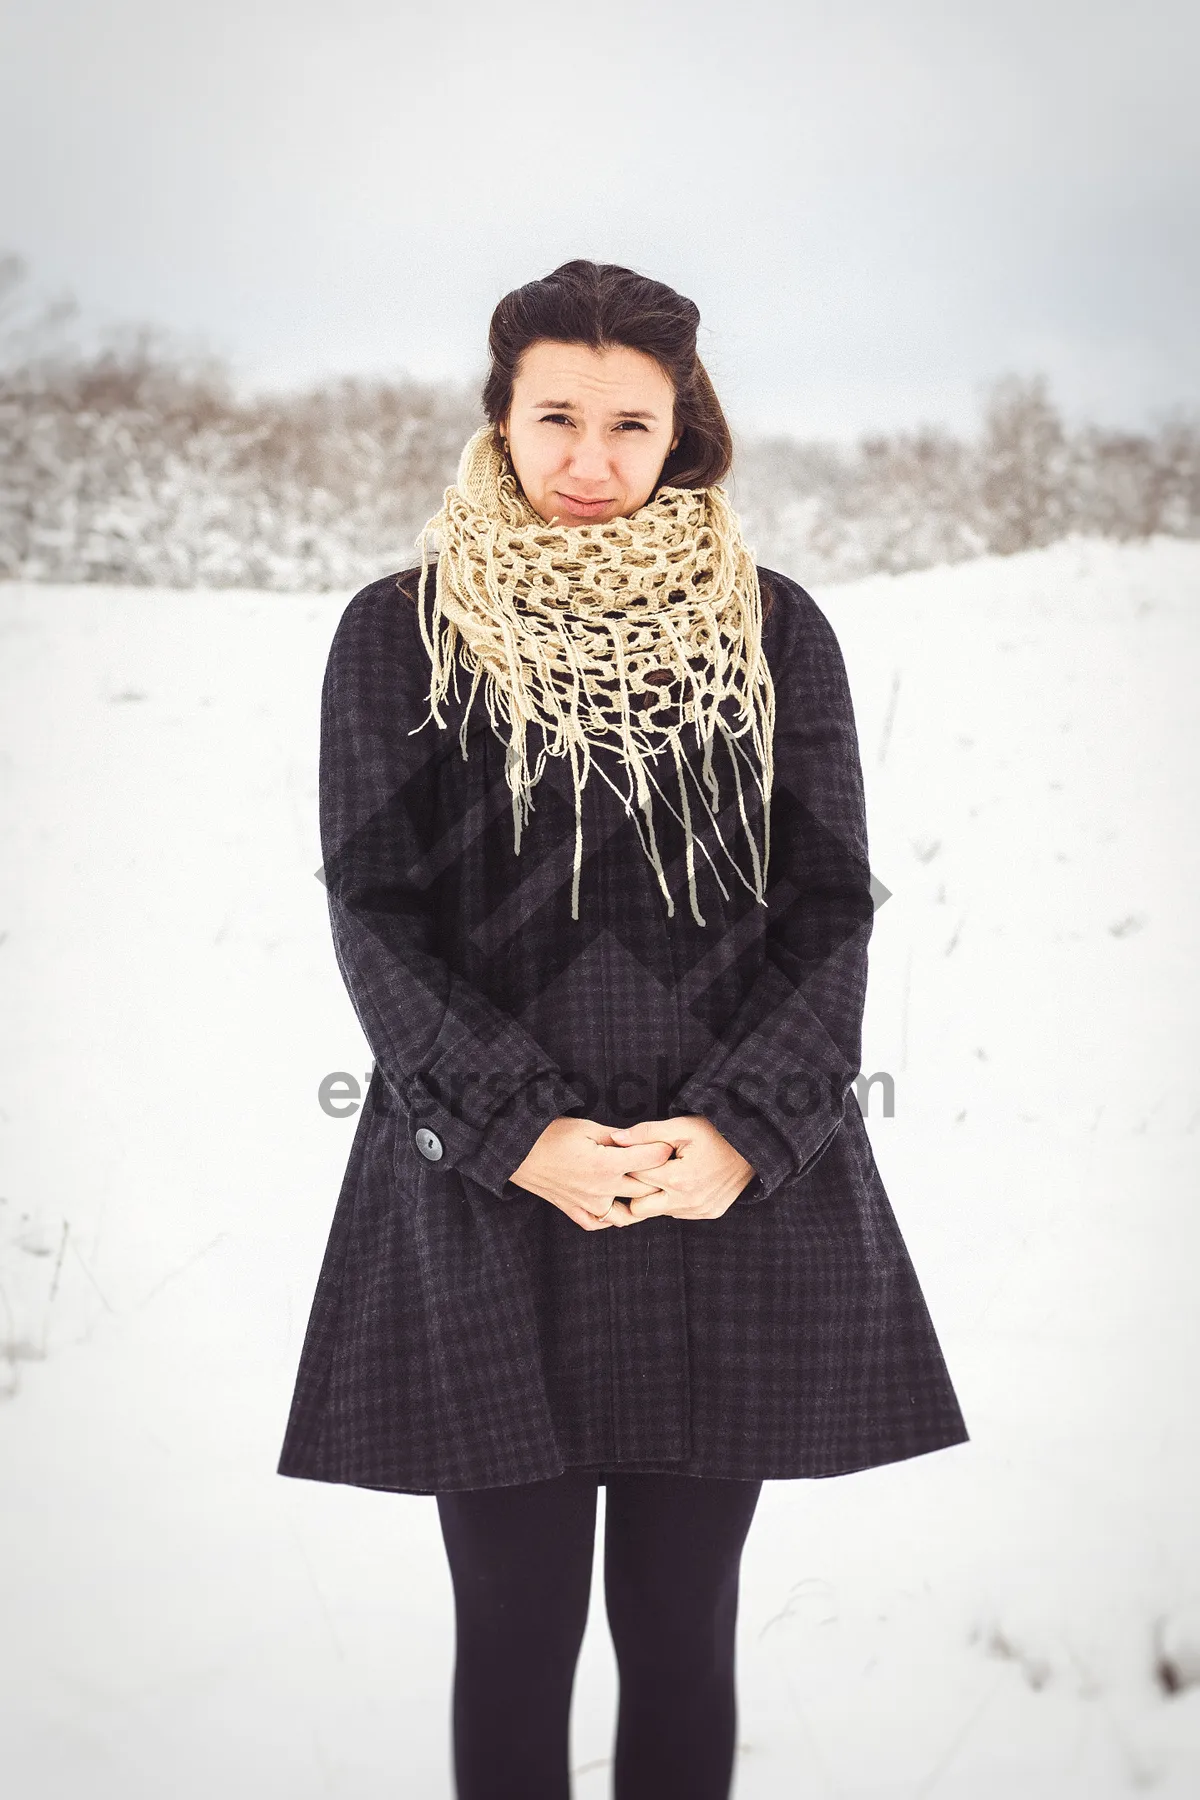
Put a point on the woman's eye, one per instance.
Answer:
(562, 419)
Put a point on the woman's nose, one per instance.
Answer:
(589, 460)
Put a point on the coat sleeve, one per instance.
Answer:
(778, 1081)
(450, 1059)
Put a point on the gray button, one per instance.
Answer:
(428, 1143)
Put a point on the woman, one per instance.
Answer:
(610, 1215)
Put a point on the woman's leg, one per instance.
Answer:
(672, 1554)
(521, 1563)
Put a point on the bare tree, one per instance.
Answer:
(1024, 464)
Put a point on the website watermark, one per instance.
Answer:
(792, 1094)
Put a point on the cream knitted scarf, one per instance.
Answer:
(614, 635)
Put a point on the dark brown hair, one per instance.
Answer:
(602, 305)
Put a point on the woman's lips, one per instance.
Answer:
(586, 507)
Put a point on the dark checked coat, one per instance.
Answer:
(467, 1334)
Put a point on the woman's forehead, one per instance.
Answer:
(562, 375)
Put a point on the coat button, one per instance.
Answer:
(428, 1143)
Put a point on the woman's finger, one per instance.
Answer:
(654, 1206)
(619, 1215)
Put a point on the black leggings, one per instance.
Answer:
(521, 1564)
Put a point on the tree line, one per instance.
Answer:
(131, 462)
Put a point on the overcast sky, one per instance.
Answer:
(877, 207)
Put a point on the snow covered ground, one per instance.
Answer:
(1007, 1617)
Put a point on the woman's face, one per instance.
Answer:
(589, 430)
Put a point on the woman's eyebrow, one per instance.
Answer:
(569, 406)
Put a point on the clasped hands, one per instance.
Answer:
(681, 1166)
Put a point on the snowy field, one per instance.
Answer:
(1017, 1616)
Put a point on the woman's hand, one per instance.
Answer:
(579, 1166)
(704, 1179)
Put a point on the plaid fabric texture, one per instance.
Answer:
(464, 1332)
